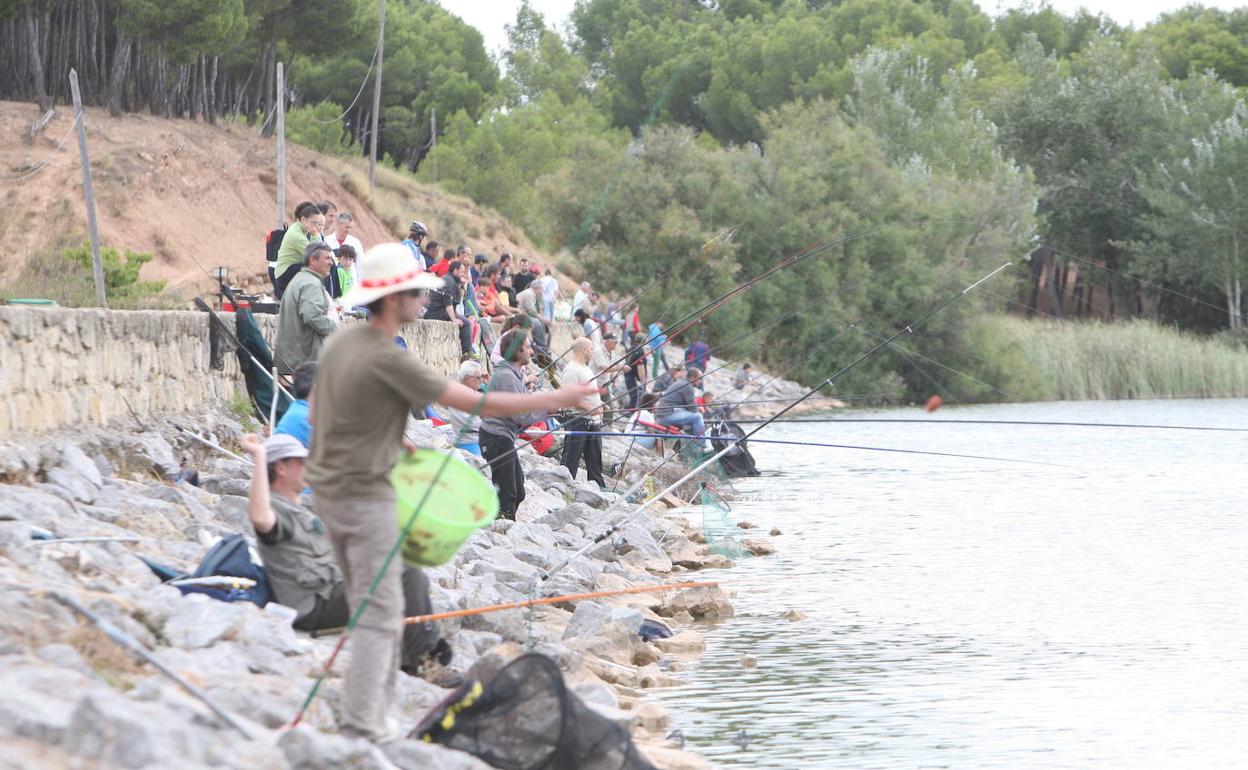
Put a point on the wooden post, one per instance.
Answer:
(372, 134)
(433, 141)
(88, 191)
(281, 147)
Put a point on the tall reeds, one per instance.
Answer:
(1051, 360)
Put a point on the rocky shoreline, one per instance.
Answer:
(74, 698)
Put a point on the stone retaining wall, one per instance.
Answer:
(61, 367)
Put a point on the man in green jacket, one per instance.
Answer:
(304, 318)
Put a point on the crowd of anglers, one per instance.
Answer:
(330, 554)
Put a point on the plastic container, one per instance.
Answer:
(459, 504)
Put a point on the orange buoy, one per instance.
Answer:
(934, 403)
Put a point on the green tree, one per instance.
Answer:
(1197, 39)
(1197, 230)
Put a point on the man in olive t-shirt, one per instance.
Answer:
(365, 388)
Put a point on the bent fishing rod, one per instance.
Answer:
(732, 440)
(907, 329)
(959, 421)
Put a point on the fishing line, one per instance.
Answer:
(1040, 423)
(735, 441)
(909, 328)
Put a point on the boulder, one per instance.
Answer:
(575, 513)
(652, 717)
(687, 641)
(38, 702)
(703, 603)
(792, 615)
(307, 749)
(148, 452)
(77, 475)
(225, 485)
(116, 731)
(418, 755)
(501, 563)
(555, 477)
(587, 619)
(199, 621)
(758, 546)
(588, 493)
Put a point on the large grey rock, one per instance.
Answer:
(708, 603)
(557, 478)
(38, 701)
(574, 513)
(36, 507)
(307, 749)
(119, 732)
(505, 566)
(587, 619)
(148, 452)
(77, 475)
(199, 621)
(418, 755)
(226, 485)
(589, 494)
(232, 512)
(270, 632)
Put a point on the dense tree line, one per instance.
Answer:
(706, 140)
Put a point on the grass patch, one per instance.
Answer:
(63, 272)
(1066, 360)
(241, 407)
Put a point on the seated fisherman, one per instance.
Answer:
(300, 562)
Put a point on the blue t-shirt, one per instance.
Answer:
(295, 423)
(657, 337)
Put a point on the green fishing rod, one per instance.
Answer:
(907, 329)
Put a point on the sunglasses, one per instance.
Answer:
(416, 293)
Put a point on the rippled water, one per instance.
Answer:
(968, 614)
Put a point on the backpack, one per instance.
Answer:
(273, 244)
(230, 556)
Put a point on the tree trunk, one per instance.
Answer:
(117, 79)
(36, 60)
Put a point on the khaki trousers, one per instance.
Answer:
(362, 532)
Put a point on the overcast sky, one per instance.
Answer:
(490, 16)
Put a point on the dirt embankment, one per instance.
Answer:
(198, 196)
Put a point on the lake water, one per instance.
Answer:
(971, 614)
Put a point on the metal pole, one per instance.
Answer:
(281, 147)
(372, 134)
(273, 406)
(80, 118)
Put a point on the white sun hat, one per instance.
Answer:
(385, 269)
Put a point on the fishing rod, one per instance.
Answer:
(417, 619)
(881, 397)
(907, 329)
(136, 647)
(1040, 423)
(776, 375)
(734, 441)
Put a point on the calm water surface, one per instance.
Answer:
(968, 614)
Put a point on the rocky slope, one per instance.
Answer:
(73, 698)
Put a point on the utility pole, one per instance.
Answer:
(80, 119)
(281, 147)
(372, 134)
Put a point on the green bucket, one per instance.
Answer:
(462, 502)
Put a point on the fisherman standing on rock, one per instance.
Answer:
(365, 389)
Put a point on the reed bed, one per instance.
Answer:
(1064, 360)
